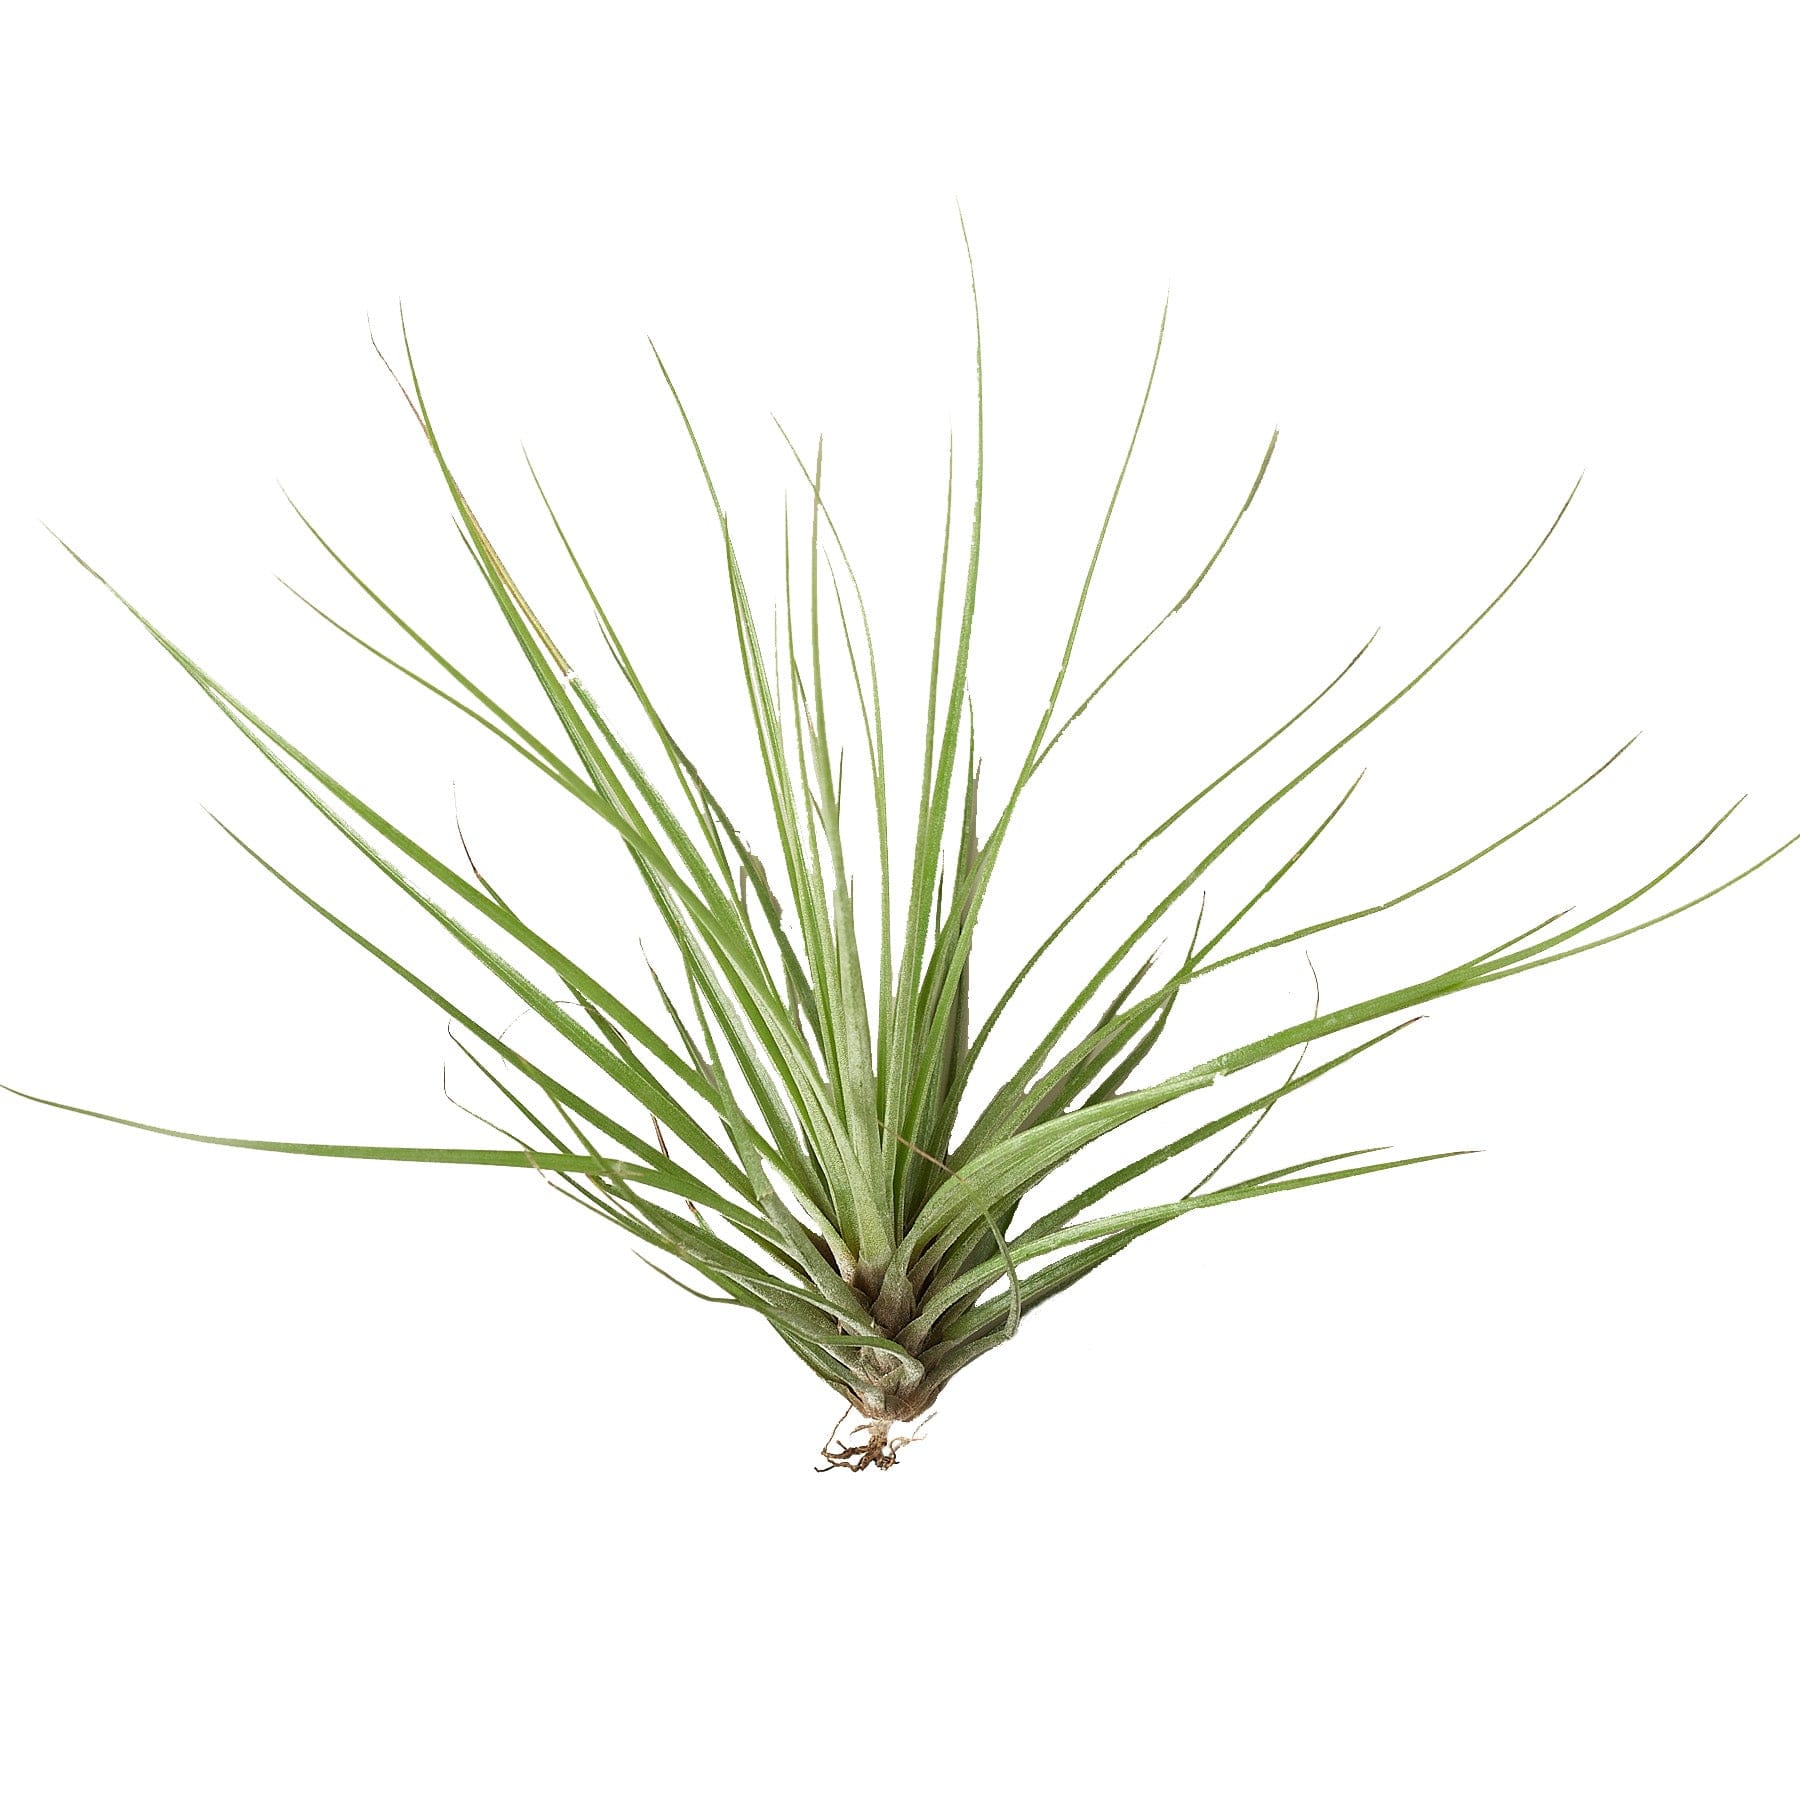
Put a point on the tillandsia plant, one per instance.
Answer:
(806, 1122)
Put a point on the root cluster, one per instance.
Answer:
(879, 1451)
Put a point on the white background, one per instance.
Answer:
(361, 1480)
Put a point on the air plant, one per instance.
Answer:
(808, 1123)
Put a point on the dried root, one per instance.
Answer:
(879, 1452)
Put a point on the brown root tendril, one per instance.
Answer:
(879, 1452)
